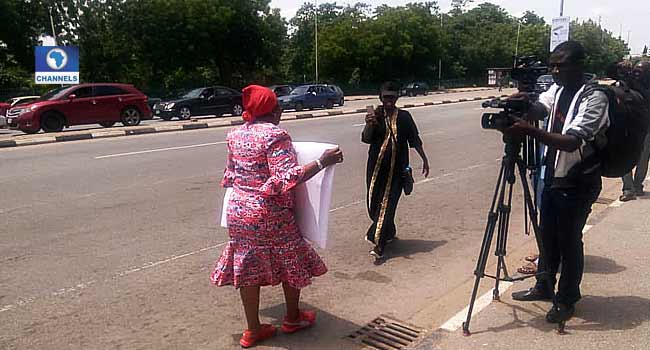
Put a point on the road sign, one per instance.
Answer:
(57, 65)
(559, 31)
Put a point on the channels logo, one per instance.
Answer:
(56, 65)
(56, 59)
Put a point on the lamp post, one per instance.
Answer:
(440, 58)
(316, 37)
(52, 24)
(517, 44)
(561, 8)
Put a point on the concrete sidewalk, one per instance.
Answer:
(613, 314)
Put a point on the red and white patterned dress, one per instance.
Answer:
(265, 246)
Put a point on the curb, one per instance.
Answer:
(206, 125)
(351, 98)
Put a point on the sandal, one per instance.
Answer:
(528, 269)
(532, 258)
(250, 338)
(305, 319)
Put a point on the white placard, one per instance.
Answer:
(559, 31)
(312, 199)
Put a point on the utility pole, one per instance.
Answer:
(628, 43)
(561, 8)
(52, 24)
(517, 44)
(316, 36)
(440, 58)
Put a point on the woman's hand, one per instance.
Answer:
(331, 157)
(425, 168)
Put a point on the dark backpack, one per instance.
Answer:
(629, 119)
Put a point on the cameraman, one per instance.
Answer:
(639, 80)
(571, 172)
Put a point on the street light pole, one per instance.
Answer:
(517, 44)
(561, 8)
(316, 36)
(440, 58)
(52, 24)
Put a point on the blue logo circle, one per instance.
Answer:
(56, 58)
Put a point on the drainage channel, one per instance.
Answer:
(387, 333)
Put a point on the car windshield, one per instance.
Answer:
(55, 94)
(192, 93)
(300, 90)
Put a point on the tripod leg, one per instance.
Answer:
(479, 272)
(502, 239)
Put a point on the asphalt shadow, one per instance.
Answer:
(406, 248)
(602, 266)
(329, 332)
(593, 313)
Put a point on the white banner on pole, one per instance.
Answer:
(559, 31)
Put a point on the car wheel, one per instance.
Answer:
(184, 113)
(107, 124)
(329, 104)
(298, 107)
(341, 102)
(237, 110)
(130, 116)
(52, 122)
(425, 93)
(410, 94)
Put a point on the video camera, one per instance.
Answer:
(526, 71)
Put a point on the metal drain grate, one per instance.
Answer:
(387, 333)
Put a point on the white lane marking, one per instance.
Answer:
(356, 125)
(432, 133)
(481, 303)
(346, 206)
(25, 301)
(159, 150)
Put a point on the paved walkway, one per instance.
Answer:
(613, 314)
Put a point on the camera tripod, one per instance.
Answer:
(499, 220)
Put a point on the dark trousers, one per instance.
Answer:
(633, 182)
(563, 215)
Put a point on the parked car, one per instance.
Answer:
(6, 106)
(281, 90)
(339, 94)
(544, 82)
(3, 111)
(215, 100)
(19, 100)
(414, 89)
(102, 103)
(309, 96)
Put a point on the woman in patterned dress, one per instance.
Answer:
(266, 246)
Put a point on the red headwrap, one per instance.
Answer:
(258, 101)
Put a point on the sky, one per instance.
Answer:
(621, 17)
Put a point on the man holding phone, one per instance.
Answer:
(390, 132)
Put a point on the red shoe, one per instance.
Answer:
(305, 319)
(250, 338)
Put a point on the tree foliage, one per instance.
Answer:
(165, 45)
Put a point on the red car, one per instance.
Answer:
(104, 104)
